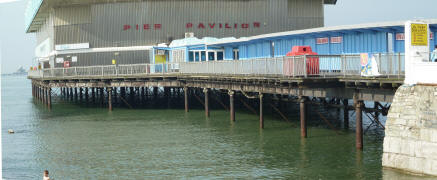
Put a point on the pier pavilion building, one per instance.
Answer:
(96, 32)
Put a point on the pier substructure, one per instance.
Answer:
(205, 91)
(186, 98)
(102, 97)
(80, 94)
(359, 124)
(49, 98)
(303, 124)
(86, 95)
(231, 105)
(261, 115)
(109, 98)
(75, 94)
(346, 113)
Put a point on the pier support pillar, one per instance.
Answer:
(44, 95)
(102, 96)
(75, 94)
(80, 94)
(71, 94)
(231, 105)
(49, 98)
(205, 90)
(155, 93)
(261, 115)
(346, 113)
(93, 94)
(303, 124)
(86, 95)
(359, 124)
(109, 98)
(115, 95)
(143, 98)
(186, 98)
(67, 93)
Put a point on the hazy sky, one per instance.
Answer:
(17, 48)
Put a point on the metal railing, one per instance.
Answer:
(389, 65)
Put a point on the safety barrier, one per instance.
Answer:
(388, 65)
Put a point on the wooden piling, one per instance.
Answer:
(186, 98)
(261, 115)
(231, 105)
(359, 124)
(303, 124)
(205, 90)
(71, 94)
(346, 113)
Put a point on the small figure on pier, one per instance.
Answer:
(46, 175)
(11, 131)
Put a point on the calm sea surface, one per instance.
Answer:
(77, 142)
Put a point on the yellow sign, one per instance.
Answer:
(160, 59)
(419, 35)
(114, 61)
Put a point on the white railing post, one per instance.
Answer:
(399, 65)
(305, 65)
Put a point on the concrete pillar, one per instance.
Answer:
(67, 93)
(231, 105)
(155, 92)
(346, 113)
(71, 94)
(132, 95)
(359, 124)
(303, 124)
(205, 90)
(109, 98)
(261, 115)
(186, 98)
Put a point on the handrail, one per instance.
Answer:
(389, 65)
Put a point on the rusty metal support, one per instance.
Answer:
(359, 124)
(231, 105)
(261, 115)
(186, 98)
(303, 125)
(205, 91)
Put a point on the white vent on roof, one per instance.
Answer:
(189, 34)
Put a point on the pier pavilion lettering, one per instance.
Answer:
(223, 25)
(139, 27)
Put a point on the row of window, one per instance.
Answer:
(196, 56)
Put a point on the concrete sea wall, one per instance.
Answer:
(410, 141)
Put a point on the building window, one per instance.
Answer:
(219, 55)
(336, 40)
(400, 36)
(190, 56)
(211, 56)
(203, 55)
(236, 54)
(322, 40)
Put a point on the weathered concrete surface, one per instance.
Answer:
(410, 141)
